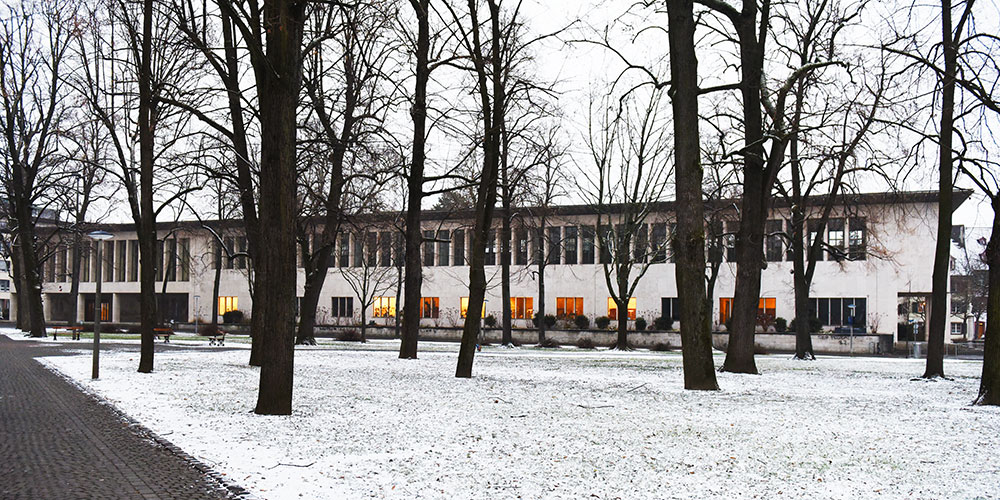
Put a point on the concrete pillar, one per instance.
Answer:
(115, 307)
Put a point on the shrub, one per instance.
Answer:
(664, 323)
(661, 346)
(640, 324)
(602, 322)
(585, 343)
(547, 342)
(759, 349)
(780, 325)
(815, 325)
(350, 335)
(490, 321)
(550, 321)
(232, 317)
(582, 322)
(209, 330)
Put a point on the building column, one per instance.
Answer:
(115, 308)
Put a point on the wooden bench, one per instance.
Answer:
(163, 332)
(71, 330)
(217, 339)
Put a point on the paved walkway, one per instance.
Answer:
(59, 443)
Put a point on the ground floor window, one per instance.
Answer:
(569, 307)
(613, 308)
(957, 328)
(430, 307)
(766, 309)
(522, 307)
(465, 307)
(227, 304)
(384, 307)
(343, 307)
(670, 308)
(840, 311)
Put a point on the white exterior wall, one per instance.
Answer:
(900, 248)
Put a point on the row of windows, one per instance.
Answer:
(121, 261)
(569, 245)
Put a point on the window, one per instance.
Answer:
(109, 259)
(839, 311)
(538, 246)
(714, 241)
(958, 306)
(613, 308)
(587, 250)
(384, 307)
(458, 241)
(732, 228)
(555, 245)
(170, 260)
(227, 304)
(858, 240)
(84, 262)
(958, 329)
(814, 234)
(444, 245)
(359, 250)
(241, 247)
(184, 259)
(4, 285)
(670, 308)
(343, 307)
(641, 244)
(835, 239)
(569, 307)
(428, 248)
(569, 243)
(491, 248)
(605, 240)
(766, 309)
(670, 242)
(344, 250)
(385, 249)
(772, 229)
(465, 307)
(522, 307)
(659, 241)
(521, 247)
(430, 307)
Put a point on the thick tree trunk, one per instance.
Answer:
(22, 321)
(989, 385)
(279, 79)
(689, 243)
(215, 295)
(942, 251)
(801, 284)
(621, 343)
(147, 221)
(486, 199)
(754, 200)
(315, 277)
(32, 291)
(415, 188)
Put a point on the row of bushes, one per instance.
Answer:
(582, 322)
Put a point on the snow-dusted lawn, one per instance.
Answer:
(566, 424)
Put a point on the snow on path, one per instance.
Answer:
(566, 425)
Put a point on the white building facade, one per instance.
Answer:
(874, 274)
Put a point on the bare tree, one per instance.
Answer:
(33, 44)
(628, 144)
(368, 278)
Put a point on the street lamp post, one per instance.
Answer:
(850, 320)
(99, 237)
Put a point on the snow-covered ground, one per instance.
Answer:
(565, 424)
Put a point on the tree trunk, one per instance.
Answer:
(74, 288)
(622, 343)
(505, 312)
(942, 251)
(147, 221)
(22, 321)
(415, 187)
(689, 243)
(754, 200)
(800, 283)
(315, 276)
(279, 79)
(215, 294)
(989, 385)
(541, 301)
(32, 279)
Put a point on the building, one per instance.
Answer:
(873, 276)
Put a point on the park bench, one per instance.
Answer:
(163, 332)
(71, 330)
(217, 339)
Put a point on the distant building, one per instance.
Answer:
(874, 274)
